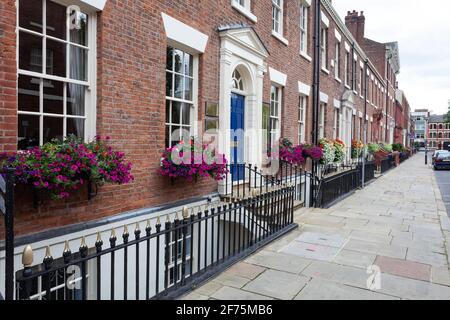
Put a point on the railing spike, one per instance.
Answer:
(113, 235)
(125, 231)
(185, 212)
(168, 219)
(99, 240)
(27, 256)
(48, 254)
(148, 226)
(83, 245)
(137, 228)
(176, 216)
(158, 221)
(66, 248)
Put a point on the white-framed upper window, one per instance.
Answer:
(322, 108)
(277, 16)
(337, 62)
(304, 13)
(302, 107)
(181, 76)
(336, 123)
(324, 47)
(244, 7)
(275, 114)
(56, 72)
(347, 67)
(360, 85)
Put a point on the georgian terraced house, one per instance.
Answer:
(137, 71)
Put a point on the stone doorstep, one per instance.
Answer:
(404, 268)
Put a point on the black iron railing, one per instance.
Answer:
(163, 261)
(7, 211)
(369, 171)
(334, 187)
(249, 180)
(387, 164)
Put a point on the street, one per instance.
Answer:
(443, 180)
(388, 241)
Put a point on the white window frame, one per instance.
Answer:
(277, 6)
(275, 133)
(304, 20)
(244, 7)
(337, 119)
(302, 107)
(193, 103)
(337, 62)
(347, 68)
(324, 48)
(90, 103)
(278, 34)
(322, 108)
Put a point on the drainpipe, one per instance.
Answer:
(366, 79)
(316, 91)
(388, 56)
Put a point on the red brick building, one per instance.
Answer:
(438, 132)
(139, 70)
(402, 119)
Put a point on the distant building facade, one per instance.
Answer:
(420, 117)
(439, 132)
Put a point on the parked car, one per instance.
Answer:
(436, 154)
(442, 161)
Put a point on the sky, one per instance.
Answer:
(422, 30)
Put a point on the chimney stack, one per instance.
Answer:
(355, 22)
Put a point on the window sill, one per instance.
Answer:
(280, 38)
(337, 79)
(348, 87)
(306, 56)
(325, 70)
(355, 92)
(244, 11)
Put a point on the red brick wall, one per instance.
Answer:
(8, 76)
(131, 96)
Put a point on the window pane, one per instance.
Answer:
(169, 60)
(169, 84)
(168, 104)
(167, 136)
(188, 64)
(53, 129)
(179, 86)
(30, 15)
(78, 63)
(186, 114)
(188, 89)
(75, 99)
(176, 133)
(56, 58)
(176, 112)
(28, 131)
(78, 28)
(28, 95)
(75, 127)
(179, 61)
(54, 97)
(56, 20)
(30, 52)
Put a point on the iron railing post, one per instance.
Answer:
(9, 235)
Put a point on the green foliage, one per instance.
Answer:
(373, 148)
(398, 147)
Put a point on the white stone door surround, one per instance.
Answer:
(242, 49)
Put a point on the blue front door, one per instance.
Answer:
(237, 136)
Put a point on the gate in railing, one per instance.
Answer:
(167, 259)
(253, 181)
(7, 211)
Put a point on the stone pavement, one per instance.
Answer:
(392, 237)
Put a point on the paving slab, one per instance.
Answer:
(229, 293)
(376, 248)
(404, 268)
(354, 259)
(329, 240)
(246, 270)
(279, 261)
(318, 289)
(426, 256)
(310, 251)
(277, 284)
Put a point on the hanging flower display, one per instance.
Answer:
(193, 161)
(63, 167)
(357, 149)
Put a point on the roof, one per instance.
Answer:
(437, 118)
